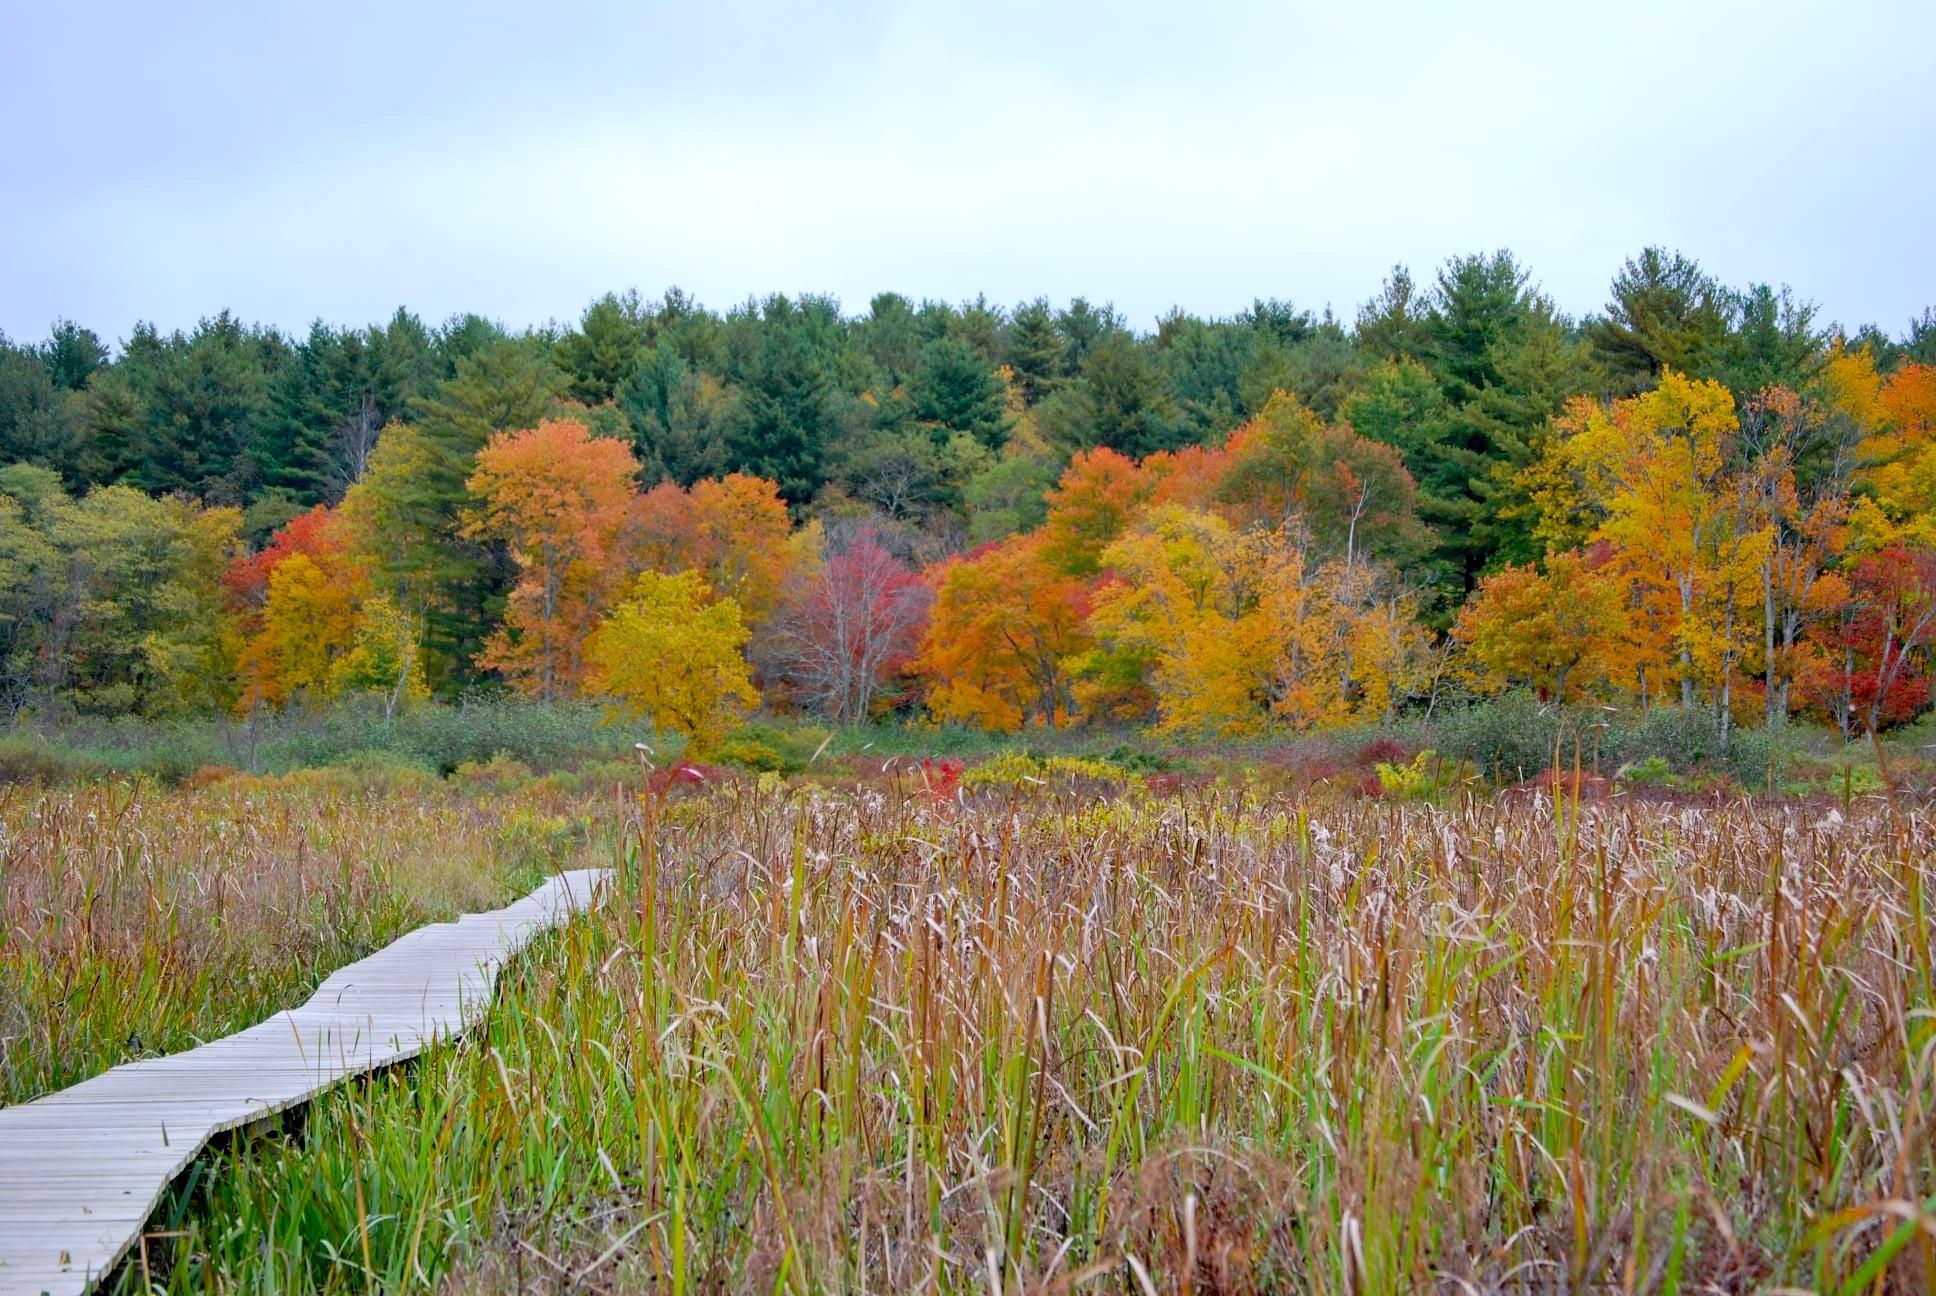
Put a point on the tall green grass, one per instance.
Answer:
(137, 920)
(1035, 1040)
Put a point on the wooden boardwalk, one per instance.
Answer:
(82, 1169)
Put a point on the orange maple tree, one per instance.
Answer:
(1006, 622)
(733, 530)
(563, 502)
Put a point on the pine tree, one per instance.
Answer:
(680, 421)
(1666, 312)
(790, 404)
(601, 353)
(1035, 350)
(955, 391)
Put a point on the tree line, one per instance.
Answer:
(1701, 496)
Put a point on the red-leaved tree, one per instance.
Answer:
(1878, 646)
(859, 618)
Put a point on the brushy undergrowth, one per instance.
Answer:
(436, 736)
(137, 920)
(1039, 1038)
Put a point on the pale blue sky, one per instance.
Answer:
(293, 162)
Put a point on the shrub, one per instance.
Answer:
(1383, 751)
(1137, 761)
(1510, 738)
(1653, 771)
(501, 773)
(209, 775)
(1426, 778)
(749, 753)
(1006, 769)
(27, 759)
(1015, 768)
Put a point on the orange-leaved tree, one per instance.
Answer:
(733, 530)
(1100, 492)
(1559, 631)
(562, 501)
(1005, 624)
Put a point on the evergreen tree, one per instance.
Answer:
(978, 326)
(207, 406)
(790, 408)
(1392, 324)
(415, 495)
(1773, 343)
(1121, 402)
(1321, 368)
(1204, 365)
(892, 338)
(1402, 405)
(1666, 311)
(679, 421)
(37, 422)
(602, 352)
(1081, 327)
(1280, 321)
(1498, 350)
(1035, 350)
(954, 390)
(460, 337)
(72, 354)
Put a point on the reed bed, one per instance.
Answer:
(877, 1040)
(136, 920)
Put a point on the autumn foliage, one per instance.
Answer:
(1753, 558)
(564, 503)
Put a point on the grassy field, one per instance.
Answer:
(137, 920)
(1069, 1028)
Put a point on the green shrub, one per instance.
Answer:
(754, 755)
(1651, 771)
(1509, 738)
(1136, 760)
(25, 758)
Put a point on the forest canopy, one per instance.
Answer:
(1702, 495)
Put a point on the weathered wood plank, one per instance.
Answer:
(82, 1169)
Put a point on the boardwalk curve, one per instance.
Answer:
(82, 1169)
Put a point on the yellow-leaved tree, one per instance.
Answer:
(1184, 605)
(1684, 520)
(672, 655)
(1562, 631)
(1655, 476)
(1898, 470)
(1235, 629)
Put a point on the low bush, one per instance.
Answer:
(28, 759)
(501, 773)
(745, 752)
(1516, 737)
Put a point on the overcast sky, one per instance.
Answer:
(294, 161)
